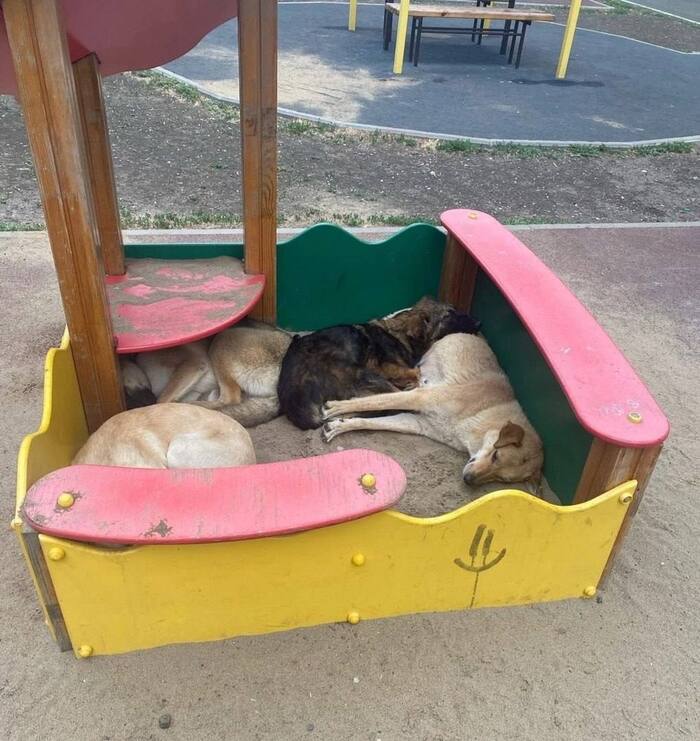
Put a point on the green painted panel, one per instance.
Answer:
(566, 443)
(183, 251)
(327, 276)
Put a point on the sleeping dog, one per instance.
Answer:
(352, 360)
(464, 400)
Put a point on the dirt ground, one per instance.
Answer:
(625, 668)
(178, 163)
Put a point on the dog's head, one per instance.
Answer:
(512, 453)
(429, 321)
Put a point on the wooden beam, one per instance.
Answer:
(50, 107)
(257, 48)
(608, 466)
(88, 85)
(458, 278)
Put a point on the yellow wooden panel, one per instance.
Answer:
(507, 548)
(62, 429)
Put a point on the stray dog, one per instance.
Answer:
(242, 360)
(465, 401)
(168, 436)
(352, 360)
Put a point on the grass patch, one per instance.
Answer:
(169, 220)
(188, 93)
(20, 226)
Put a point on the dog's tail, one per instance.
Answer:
(253, 410)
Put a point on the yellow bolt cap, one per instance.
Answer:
(65, 500)
(634, 417)
(353, 617)
(625, 498)
(84, 651)
(358, 559)
(590, 591)
(368, 480)
(56, 553)
(473, 215)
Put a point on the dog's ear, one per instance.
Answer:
(511, 434)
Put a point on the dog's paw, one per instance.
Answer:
(330, 429)
(330, 409)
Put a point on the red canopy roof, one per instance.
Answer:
(129, 34)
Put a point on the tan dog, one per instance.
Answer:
(236, 372)
(168, 436)
(465, 401)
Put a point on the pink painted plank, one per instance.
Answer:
(599, 383)
(164, 303)
(129, 34)
(164, 506)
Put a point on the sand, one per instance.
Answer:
(625, 668)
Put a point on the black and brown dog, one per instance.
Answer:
(352, 360)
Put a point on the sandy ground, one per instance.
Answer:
(625, 668)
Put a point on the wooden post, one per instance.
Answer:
(401, 29)
(257, 48)
(352, 15)
(568, 39)
(458, 278)
(88, 85)
(608, 466)
(50, 106)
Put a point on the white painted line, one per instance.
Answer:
(627, 38)
(662, 12)
(289, 113)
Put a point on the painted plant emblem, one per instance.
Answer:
(479, 562)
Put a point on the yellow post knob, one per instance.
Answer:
(353, 617)
(358, 559)
(590, 591)
(85, 651)
(368, 480)
(56, 553)
(65, 500)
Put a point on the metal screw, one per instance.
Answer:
(625, 498)
(65, 500)
(368, 480)
(471, 215)
(634, 417)
(56, 553)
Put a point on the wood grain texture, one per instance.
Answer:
(608, 466)
(626, 467)
(458, 278)
(437, 11)
(257, 43)
(49, 103)
(88, 84)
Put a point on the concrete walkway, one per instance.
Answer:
(464, 90)
(620, 669)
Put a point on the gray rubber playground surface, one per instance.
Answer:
(689, 9)
(618, 89)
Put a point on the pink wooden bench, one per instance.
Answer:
(132, 506)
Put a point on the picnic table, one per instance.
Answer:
(402, 31)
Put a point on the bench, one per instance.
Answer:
(515, 26)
